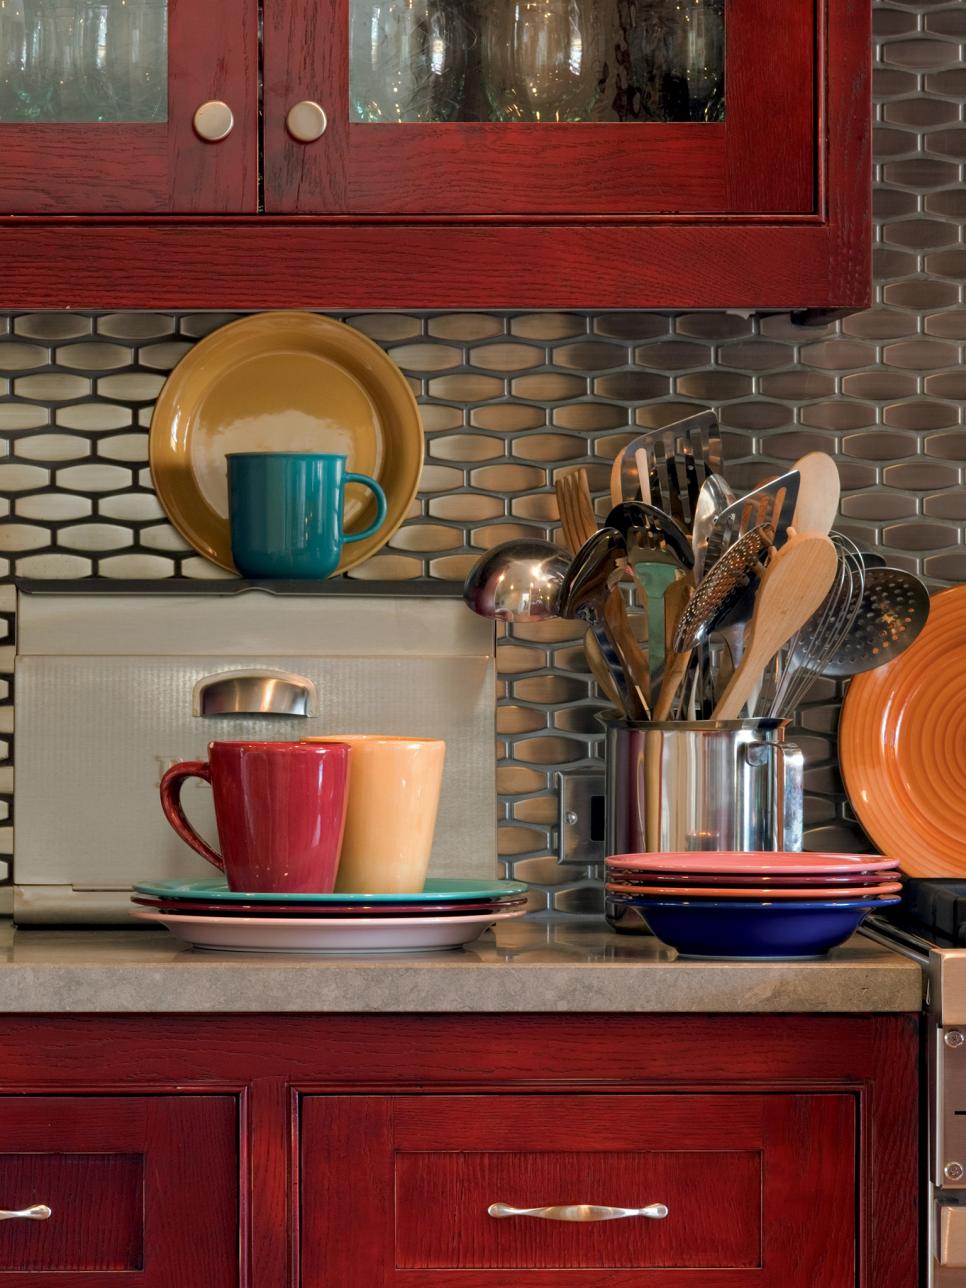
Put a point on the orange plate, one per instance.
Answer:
(902, 746)
(284, 382)
(766, 895)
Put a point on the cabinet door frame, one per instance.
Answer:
(146, 168)
(806, 1144)
(170, 1133)
(759, 160)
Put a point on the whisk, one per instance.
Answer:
(807, 653)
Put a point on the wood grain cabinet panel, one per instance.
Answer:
(97, 1206)
(766, 208)
(143, 1191)
(363, 1150)
(105, 164)
(761, 1190)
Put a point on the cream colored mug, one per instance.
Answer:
(394, 785)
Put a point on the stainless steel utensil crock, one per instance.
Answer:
(728, 785)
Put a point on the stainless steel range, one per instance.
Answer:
(930, 927)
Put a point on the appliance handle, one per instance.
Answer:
(255, 693)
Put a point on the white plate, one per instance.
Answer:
(321, 935)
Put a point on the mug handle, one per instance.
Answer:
(380, 496)
(171, 785)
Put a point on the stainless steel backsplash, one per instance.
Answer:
(509, 399)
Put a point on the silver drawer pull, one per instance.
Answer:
(579, 1212)
(39, 1212)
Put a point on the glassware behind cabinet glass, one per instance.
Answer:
(676, 57)
(83, 60)
(407, 60)
(40, 65)
(13, 54)
(543, 60)
(122, 58)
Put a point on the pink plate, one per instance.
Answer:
(763, 893)
(325, 934)
(648, 876)
(770, 863)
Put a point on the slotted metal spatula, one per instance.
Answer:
(772, 503)
(678, 459)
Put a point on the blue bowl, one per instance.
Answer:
(742, 929)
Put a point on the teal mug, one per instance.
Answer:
(285, 511)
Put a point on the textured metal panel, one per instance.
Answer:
(239, 625)
(98, 732)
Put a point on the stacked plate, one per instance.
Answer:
(739, 906)
(445, 914)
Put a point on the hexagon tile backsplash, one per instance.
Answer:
(510, 399)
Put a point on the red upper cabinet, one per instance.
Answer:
(448, 154)
(112, 107)
(560, 108)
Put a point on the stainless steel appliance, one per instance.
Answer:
(930, 927)
(112, 688)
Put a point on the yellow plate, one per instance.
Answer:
(284, 382)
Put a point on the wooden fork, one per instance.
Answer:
(578, 522)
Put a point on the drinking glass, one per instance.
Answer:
(122, 59)
(407, 60)
(83, 60)
(13, 52)
(543, 59)
(677, 60)
(48, 79)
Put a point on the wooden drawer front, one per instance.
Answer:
(465, 1184)
(96, 1201)
(141, 1188)
(760, 1190)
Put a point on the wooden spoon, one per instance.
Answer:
(819, 490)
(796, 579)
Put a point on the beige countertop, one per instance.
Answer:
(530, 965)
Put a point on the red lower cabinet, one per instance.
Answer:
(760, 1191)
(142, 1191)
(371, 1151)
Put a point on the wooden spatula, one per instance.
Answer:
(795, 581)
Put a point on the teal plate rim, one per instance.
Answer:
(438, 888)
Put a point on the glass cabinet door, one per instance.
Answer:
(536, 60)
(551, 107)
(83, 60)
(112, 106)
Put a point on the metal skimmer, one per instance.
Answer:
(722, 586)
(894, 609)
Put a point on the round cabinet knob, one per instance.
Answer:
(306, 121)
(213, 121)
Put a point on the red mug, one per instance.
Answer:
(280, 808)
